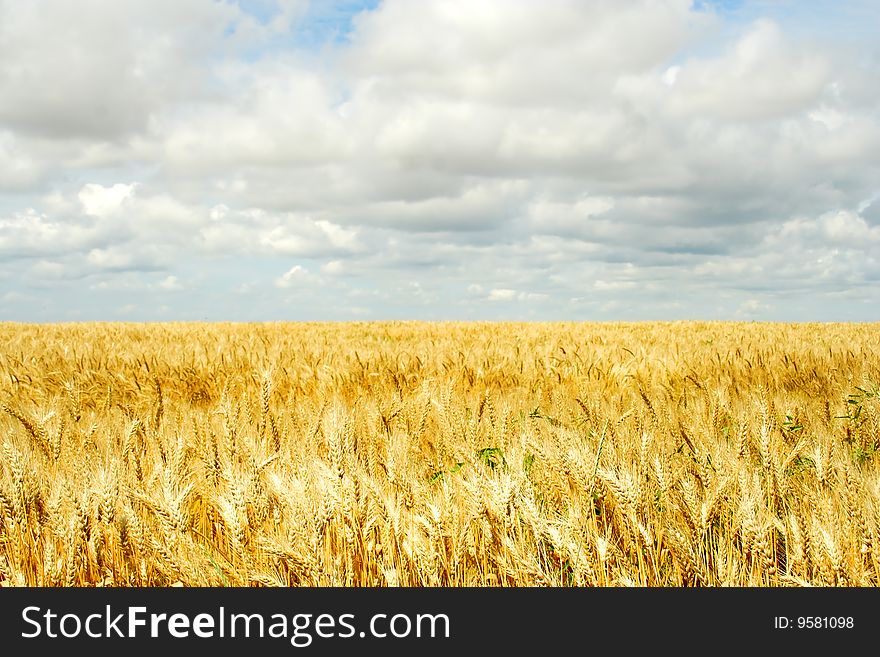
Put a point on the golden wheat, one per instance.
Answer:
(443, 454)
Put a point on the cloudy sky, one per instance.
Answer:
(439, 159)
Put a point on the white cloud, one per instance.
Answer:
(513, 53)
(612, 286)
(20, 170)
(93, 69)
(848, 228)
(170, 283)
(670, 75)
(639, 156)
(751, 308)
(761, 76)
(506, 294)
(289, 277)
(100, 201)
(279, 118)
(829, 117)
(333, 268)
(297, 277)
(502, 294)
(110, 258)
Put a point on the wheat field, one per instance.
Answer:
(440, 454)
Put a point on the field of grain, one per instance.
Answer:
(447, 454)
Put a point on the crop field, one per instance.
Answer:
(440, 454)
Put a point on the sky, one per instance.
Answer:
(271, 160)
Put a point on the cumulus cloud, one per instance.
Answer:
(501, 294)
(100, 201)
(746, 83)
(170, 283)
(590, 159)
(254, 230)
(295, 277)
(100, 71)
(506, 294)
(334, 267)
(751, 308)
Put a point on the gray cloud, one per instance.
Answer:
(98, 70)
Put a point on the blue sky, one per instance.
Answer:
(440, 159)
(314, 25)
